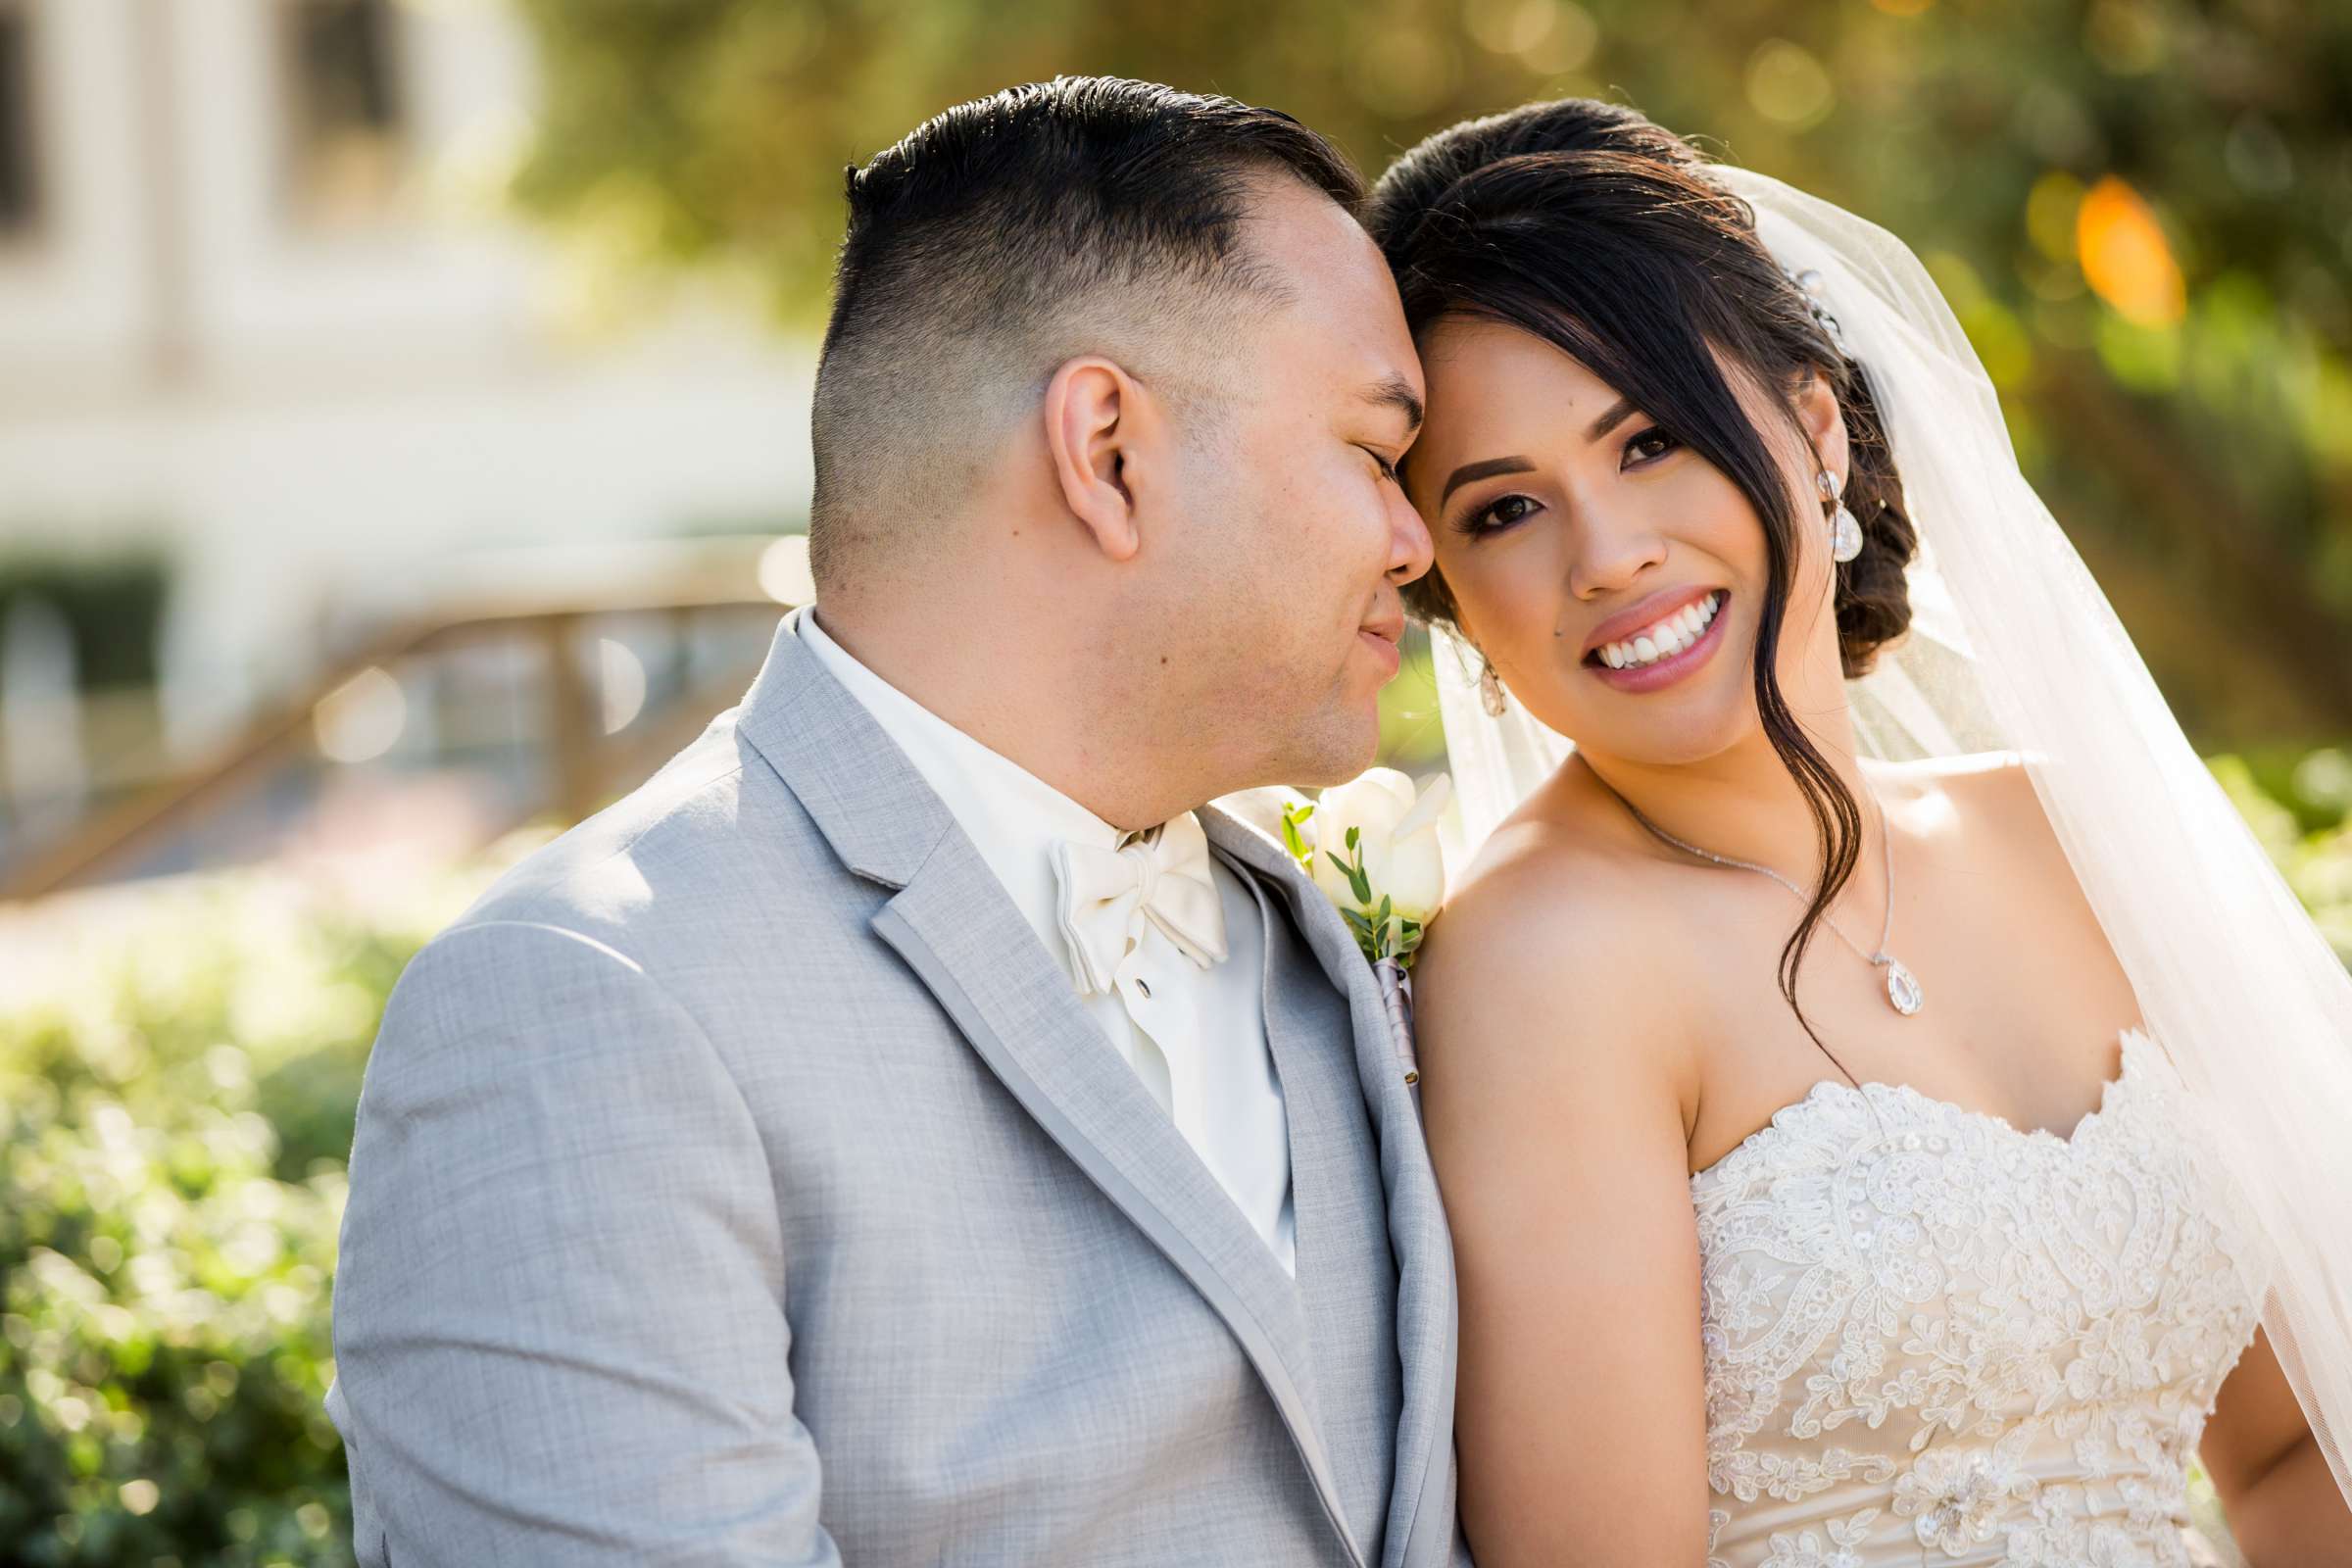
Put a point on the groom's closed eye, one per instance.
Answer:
(1395, 392)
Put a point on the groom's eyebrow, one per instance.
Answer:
(1395, 392)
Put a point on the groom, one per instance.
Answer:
(913, 1128)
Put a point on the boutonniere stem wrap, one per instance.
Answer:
(1371, 846)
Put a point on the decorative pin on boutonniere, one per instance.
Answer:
(1371, 845)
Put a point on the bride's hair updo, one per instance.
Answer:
(1587, 225)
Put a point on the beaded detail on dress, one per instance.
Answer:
(1932, 1337)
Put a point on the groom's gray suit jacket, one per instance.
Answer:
(740, 1182)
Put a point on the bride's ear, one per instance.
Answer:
(1099, 422)
(1824, 426)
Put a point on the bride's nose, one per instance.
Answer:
(1608, 549)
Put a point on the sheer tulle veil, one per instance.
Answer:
(2013, 646)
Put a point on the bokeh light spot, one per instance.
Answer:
(360, 720)
(1785, 84)
(2124, 256)
(1548, 36)
(2051, 206)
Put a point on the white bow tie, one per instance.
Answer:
(1107, 895)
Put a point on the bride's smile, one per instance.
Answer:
(1658, 651)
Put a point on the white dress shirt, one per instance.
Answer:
(1197, 1038)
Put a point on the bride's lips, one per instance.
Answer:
(1675, 667)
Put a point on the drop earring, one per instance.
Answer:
(1490, 689)
(1846, 532)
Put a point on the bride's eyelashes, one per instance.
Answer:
(1641, 449)
(1492, 519)
(1653, 443)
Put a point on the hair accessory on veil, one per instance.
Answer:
(1808, 284)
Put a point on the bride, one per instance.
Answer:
(1888, 1110)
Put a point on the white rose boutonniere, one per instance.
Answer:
(1371, 846)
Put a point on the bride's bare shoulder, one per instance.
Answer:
(1552, 935)
(1988, 797)
(1542, 868)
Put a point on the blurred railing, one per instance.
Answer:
(499, 705)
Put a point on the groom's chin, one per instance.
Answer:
(1335, 746)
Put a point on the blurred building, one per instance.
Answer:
(265, 326)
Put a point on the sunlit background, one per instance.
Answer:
(402, 443)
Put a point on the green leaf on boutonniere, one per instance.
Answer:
(1294, 817)
(1357, 882)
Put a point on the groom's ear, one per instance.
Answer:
(1098, 419)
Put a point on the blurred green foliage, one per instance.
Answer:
(2300, 807)
(2140, 209)
(180, 1067)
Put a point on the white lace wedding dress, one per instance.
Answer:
(1933, 1337)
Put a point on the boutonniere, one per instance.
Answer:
(1371, 846)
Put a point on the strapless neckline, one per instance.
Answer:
(2134, 1040)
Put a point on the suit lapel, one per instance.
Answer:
(1420, 1527)
(1347, 1271)
(958, 930)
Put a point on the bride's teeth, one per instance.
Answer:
(1667, 638)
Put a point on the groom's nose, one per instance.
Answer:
(1410, 550)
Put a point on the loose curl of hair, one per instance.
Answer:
(1587, 225)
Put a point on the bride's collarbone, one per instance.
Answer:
(2025, 1003)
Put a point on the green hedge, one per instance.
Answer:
(179, 1070)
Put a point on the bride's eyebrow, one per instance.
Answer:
(1615, 414)
(1484, 468)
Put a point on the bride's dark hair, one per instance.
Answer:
(1583, 224)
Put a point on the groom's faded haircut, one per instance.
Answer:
(1088, 215)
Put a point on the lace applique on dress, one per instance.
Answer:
(1931, 1336)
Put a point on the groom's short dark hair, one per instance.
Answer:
(1009, 235)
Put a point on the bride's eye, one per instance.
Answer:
(1498, 514)
(1647, 446)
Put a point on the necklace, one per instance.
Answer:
(1903, 992)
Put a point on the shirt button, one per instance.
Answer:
(1143, 985)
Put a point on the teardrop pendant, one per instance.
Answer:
(1902, 988)
(1845, 534)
